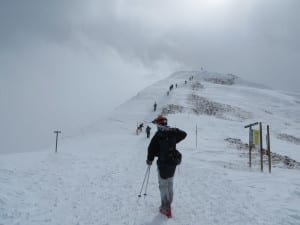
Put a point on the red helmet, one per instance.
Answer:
(160, 120)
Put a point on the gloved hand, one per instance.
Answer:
(149, 163)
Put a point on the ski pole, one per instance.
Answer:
(144, 181)
(147, 181)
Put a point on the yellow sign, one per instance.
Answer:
(256, 137)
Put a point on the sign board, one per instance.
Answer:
(256, 137)
(250, 136)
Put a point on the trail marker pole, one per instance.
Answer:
(269, 147)
(196, 136)
(261, 148)
(250, 144)
(56, 132)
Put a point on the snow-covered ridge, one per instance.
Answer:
(222, 96)
(214, 94)
(218, 78)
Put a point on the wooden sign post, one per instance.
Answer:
(56, 132)
(255, 137)
(261, 148)
(250, 139)
(269, 147)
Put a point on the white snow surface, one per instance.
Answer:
(95, 178)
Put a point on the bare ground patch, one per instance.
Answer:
(196, 86)
(278, 160)
(172, 109)
(228, 80)
(289, 138)
(201, 105)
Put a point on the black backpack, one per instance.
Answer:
(168, 153)
(174, 157)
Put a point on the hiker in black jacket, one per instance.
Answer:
(163, 146)
(154, 106)
(148, 129)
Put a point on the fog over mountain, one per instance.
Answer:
(65, 63)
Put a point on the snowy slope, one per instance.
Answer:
(96, 178)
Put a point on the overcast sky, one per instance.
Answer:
(65, 63)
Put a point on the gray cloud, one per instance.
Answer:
(254, 39)
(154, 31)
(60, 59)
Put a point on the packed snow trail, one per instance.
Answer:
(81, 186)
